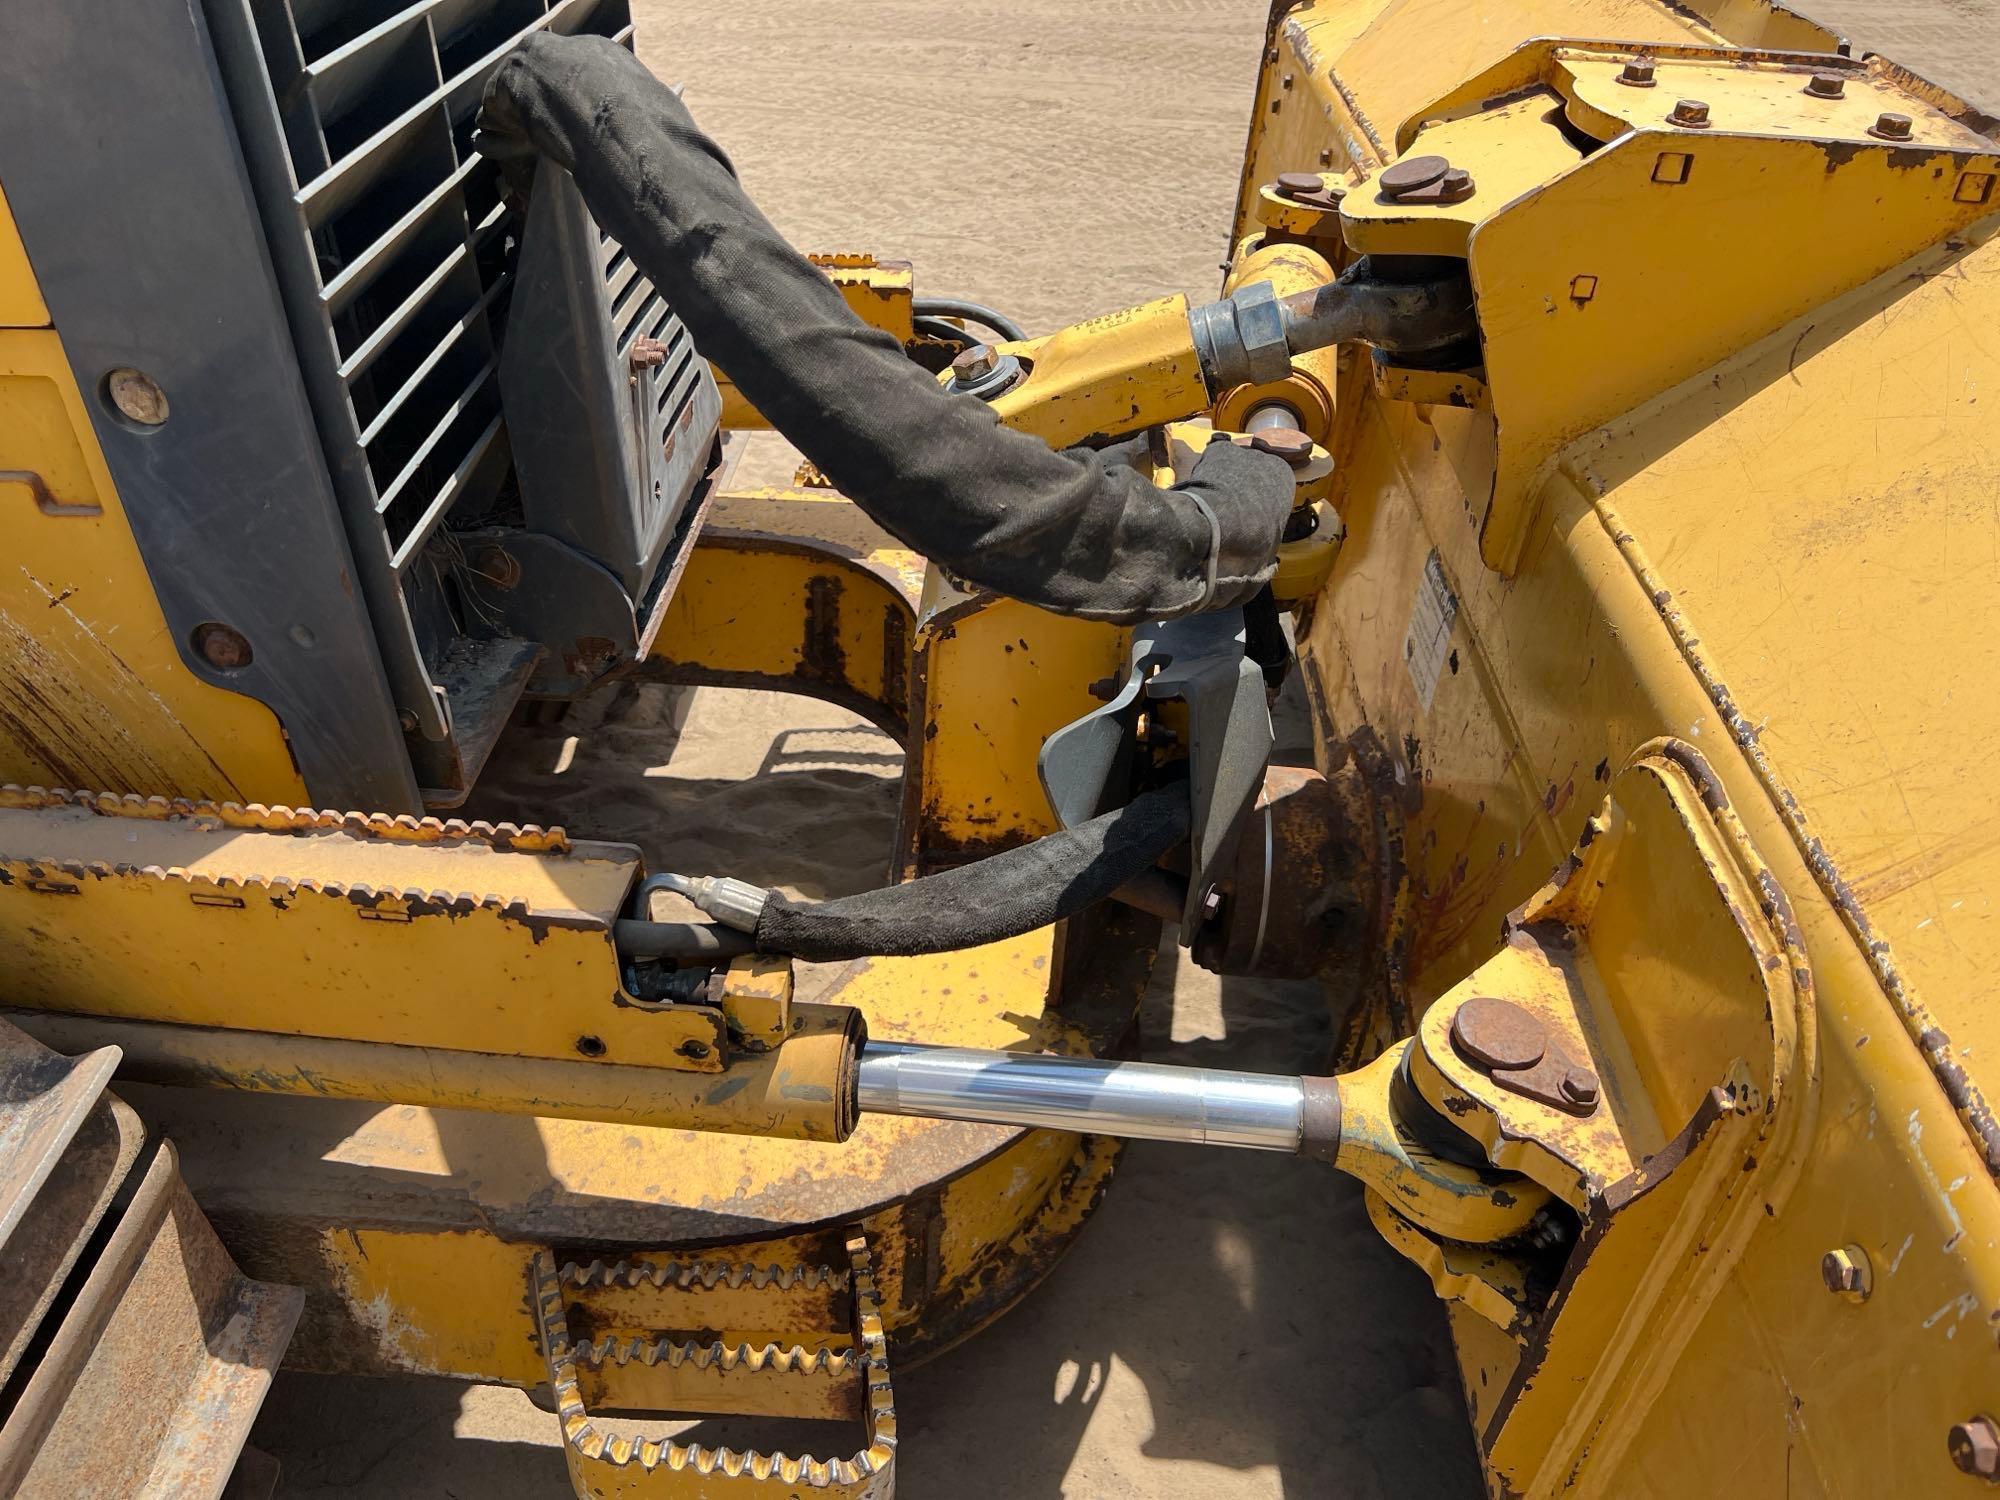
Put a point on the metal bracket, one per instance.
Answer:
(1199, 660)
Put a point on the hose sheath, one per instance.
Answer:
(994, 898)
(1077, 532)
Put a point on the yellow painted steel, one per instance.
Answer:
(1729, 476)
(1448, 1201)
(1119, 373)
(611, 1458)
(102, 698)
(95, 890)
(993, 679)
(796, 590)
(21, 304)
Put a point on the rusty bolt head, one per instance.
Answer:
(1410, 175)
(1638, 73)
(1579, 1087)
(137, 396)
(499, 567)
(1847, 1273)
(1889, 126)
(1974, 1445)
(647, 352)
(1826, 85)
(408, 719)
(1300, 184)
(975, 364)
(221, 647)
(1288, 443)
(1497, 1033)
(1690, 114)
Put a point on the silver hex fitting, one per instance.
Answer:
(734, 903)
(1241, 339)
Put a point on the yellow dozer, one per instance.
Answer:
(1599, 422)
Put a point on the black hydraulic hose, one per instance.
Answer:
(998, 897)
(970, 312)
(1073, 532)
(679, 942)
(938, 328)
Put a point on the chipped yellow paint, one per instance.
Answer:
(1750, 527)
(381, 1275)
(993, 678)
(796, 590)
(97, 695)
(320, 929)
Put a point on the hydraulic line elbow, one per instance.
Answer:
(1250, 336)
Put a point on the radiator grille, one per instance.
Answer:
(408, 234)
(398, 252)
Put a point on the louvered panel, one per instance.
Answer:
(397, 248)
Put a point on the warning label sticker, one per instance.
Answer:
(1429, 640)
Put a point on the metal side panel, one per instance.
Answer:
(125, 178)
(65, 1147)
(151, 1382)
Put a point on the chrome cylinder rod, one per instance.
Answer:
(1139, 1101)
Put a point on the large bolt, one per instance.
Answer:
(1826, 85)
(1497, 1033)
(1638, 73)
(221, 647)
(647, 352)
(137, 396)
(1690, 114)
(1847, 1273)
(1891, 127)
(1288, 443)
(975, 364)
(1300, 184)
(1411, 174)
(1974, 1445)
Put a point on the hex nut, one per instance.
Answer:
(1690, 114)
(1579, 1087)
(1974, 1445)
(1826, 85)
(1455, 187)
(1890, 126)
(1638, 73)
(136, 395)
(975, 364)
(1847, 1273)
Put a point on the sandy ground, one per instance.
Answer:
(1228, 1326)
